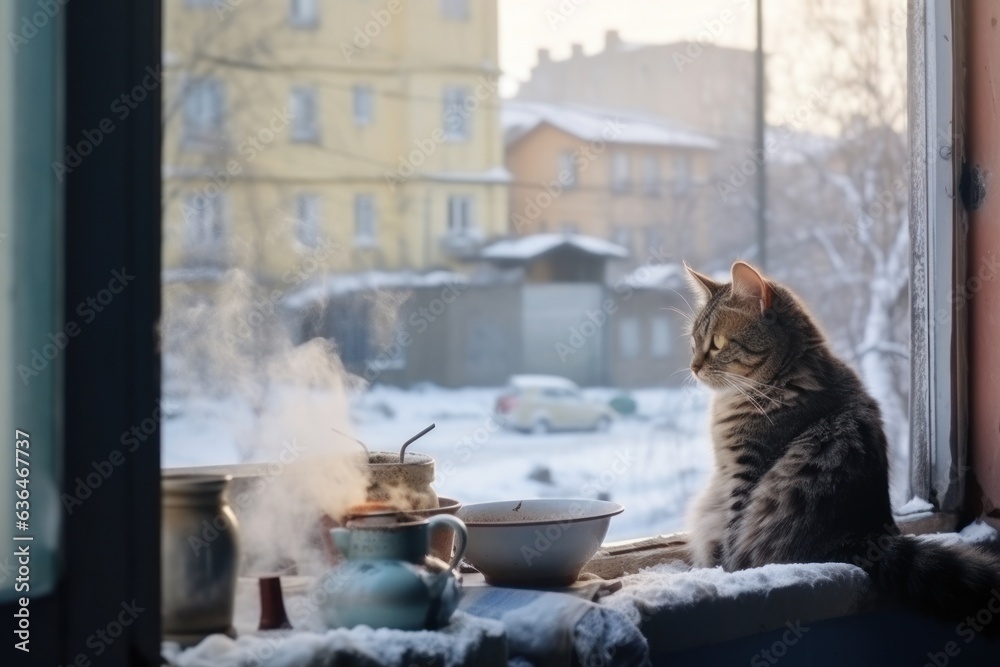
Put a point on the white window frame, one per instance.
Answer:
(461, 216)
(203, 110)
(363, 104)
(454, 10)
(365, 220)
(621, 169)
(308, 219)
(304, 106)
(455, 118)
(938, 427)
(303, 13)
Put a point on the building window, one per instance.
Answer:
(363, 105)
(307, 220)
(460, 221)
(456, 10)
(569, 227)
(567, 170)
(659, 336)
(204, 222)
(651, 176)
(304, 14)
(204, 110)
(619, 172)
(682, 171)
(305, 114)
(456, 116)
(622, 235)
(365, 231)
(628, 337)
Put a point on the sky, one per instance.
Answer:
(527, 25)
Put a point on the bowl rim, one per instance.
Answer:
(613, 509)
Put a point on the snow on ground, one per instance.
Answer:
(651, 462)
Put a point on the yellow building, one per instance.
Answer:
(636, 180)
(312, 135)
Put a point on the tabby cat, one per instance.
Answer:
(801, 467)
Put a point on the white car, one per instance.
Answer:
(544, 403)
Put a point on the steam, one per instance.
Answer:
(230, 342)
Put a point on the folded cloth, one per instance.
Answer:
(556, 628)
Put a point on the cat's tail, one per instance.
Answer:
(955, 583)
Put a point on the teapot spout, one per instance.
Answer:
(342, 540)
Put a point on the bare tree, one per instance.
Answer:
(840, 202)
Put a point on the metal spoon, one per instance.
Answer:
(402, 452)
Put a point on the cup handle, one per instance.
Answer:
(461, 534)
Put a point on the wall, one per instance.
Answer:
(982, 34)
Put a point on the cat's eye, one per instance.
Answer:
(718, 342)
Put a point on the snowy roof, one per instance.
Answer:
(594, 124)
(528, 247)
(334, 284)
(656, 276)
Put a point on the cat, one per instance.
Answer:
(801, 463)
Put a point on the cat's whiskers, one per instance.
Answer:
(739, 379)
(728, 381)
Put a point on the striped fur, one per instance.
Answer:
(801, 469)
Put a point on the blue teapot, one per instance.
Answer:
(386, 580)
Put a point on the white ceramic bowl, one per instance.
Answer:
(544, 542)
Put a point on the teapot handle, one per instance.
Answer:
(461, 534)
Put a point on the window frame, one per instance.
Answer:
(938, 429)
(303, 97)
(194, 133)
(464, 204)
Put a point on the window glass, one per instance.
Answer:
(305, 114)
(469, 192)
(363, 104)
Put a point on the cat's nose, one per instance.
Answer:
(696, 366)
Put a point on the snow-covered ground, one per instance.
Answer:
(651, 462)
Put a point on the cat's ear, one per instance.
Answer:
(703, 287)
(748, 281)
